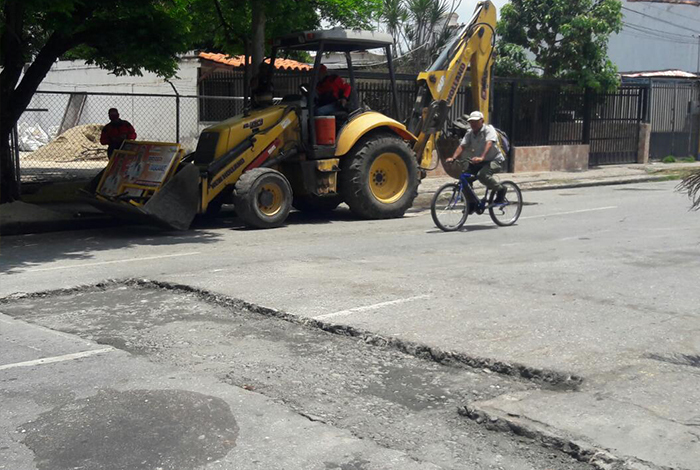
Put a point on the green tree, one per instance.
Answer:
(512, 61)
(126, 37)
(256, 22)
(568, 39)
(420, 27)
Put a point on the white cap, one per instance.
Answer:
(476, 116)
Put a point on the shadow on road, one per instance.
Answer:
(25, 252)
(467, 228)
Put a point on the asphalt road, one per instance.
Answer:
(600, 283)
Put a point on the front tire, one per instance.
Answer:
(263, 198)
(449, 208)
(379, 177)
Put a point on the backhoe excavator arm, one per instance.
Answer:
(470, 51)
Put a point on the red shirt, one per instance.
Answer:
(114, 133)
(332, 88)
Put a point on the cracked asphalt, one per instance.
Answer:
(598, 284)
(380, 394)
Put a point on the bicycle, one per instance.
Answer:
(456, 201)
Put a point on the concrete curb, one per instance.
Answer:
(424, 198)
(599, 458)
(595, 183)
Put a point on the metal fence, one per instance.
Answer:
(675, 118)
(540, 112)
(58, 135)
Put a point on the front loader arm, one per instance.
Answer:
(471, 50)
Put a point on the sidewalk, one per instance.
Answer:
(47, 216)
(550, 180)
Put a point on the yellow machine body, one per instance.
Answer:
(278, 139)
(364, 123)
(471, 55)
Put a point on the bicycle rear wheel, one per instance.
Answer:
(449, 208)
(508, 213)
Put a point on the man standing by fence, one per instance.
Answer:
(116, 132)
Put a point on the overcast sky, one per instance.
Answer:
(466, 9)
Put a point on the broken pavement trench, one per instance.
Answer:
(341, 379)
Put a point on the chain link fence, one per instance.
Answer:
(59, 134)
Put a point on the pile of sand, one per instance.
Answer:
(76, 144)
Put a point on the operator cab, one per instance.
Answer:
(321, 42)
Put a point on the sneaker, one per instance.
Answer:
(501, 196)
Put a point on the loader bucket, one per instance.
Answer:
(172, 207)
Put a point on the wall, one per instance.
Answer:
(551, 158)
(644, 141)
(76, 75)
(658, 37)
(153, 117)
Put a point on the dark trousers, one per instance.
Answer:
(484, 172)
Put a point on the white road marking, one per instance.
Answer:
(100, 263)
(14, 322)
(569, 212)
(51, 360)
(370, 307)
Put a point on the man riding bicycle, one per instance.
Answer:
(482, 155)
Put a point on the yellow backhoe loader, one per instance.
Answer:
(272, 158)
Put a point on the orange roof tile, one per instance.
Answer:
(238, 61)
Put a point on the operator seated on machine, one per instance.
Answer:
(332, 93)
(483, 156)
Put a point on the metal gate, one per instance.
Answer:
(615, 119)
(675, 118)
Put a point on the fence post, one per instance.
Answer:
(645, 101)
(587, 108)
(513, 121)
(177, 112)
(392, 77)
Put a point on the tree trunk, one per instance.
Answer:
(16, 99)
(9, 190)
(258, 45)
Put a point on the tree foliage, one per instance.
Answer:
(420, 29)
(132, 36)
(691, 186)
(125, 36)
(225, 30)
(568, 39)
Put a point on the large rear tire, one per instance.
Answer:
(379, 177)
(263, 198)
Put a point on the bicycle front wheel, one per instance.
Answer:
(449, 208)
(507, 213)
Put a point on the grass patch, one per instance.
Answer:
(669, 159)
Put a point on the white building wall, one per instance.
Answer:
(154, 118)
(657, 36)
